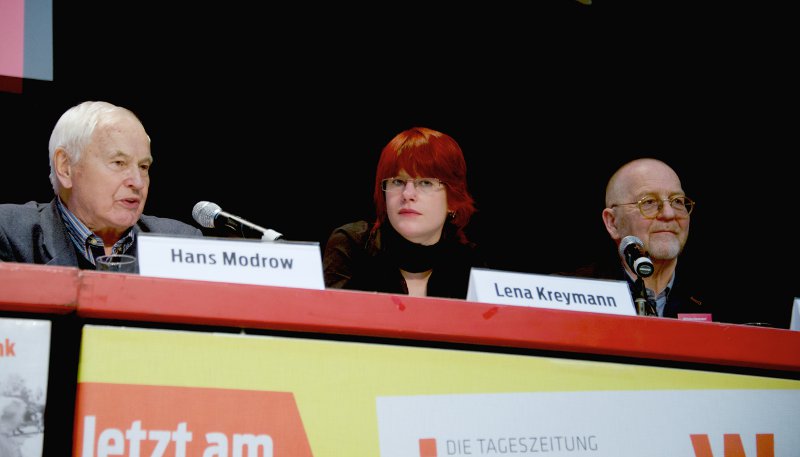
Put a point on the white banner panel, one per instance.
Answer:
(550, 291)
(599, 424)
(269, 263)
(24, 367)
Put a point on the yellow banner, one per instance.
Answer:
(333, 384)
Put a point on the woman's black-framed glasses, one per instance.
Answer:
(423, 185)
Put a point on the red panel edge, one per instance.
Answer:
(132, 297)
(38, 288)
(60, 290)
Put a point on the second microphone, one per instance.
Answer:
(631, 249)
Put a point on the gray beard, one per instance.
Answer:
(665, 251)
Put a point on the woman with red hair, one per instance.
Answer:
(416, 245)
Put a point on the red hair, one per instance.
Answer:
(423, 152)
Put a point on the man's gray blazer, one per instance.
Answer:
(34, 233)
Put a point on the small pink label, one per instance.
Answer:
(698, 317)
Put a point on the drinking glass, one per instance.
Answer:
(117, 263)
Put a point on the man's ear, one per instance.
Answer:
(63, 168)
(610, 221)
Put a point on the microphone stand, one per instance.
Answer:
(640, 296)
(643, 307)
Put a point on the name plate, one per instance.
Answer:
(268, 263)
(549, 291)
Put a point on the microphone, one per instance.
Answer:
(210, 215)
(631, 249)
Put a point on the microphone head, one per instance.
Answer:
(627, 241)
(205, 212)
(643, 267)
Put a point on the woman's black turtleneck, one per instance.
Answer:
(410, 256)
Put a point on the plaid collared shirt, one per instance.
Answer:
(88, 243)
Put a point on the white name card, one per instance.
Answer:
(549, 291)
(268, 263)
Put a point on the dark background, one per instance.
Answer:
(279, 114)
